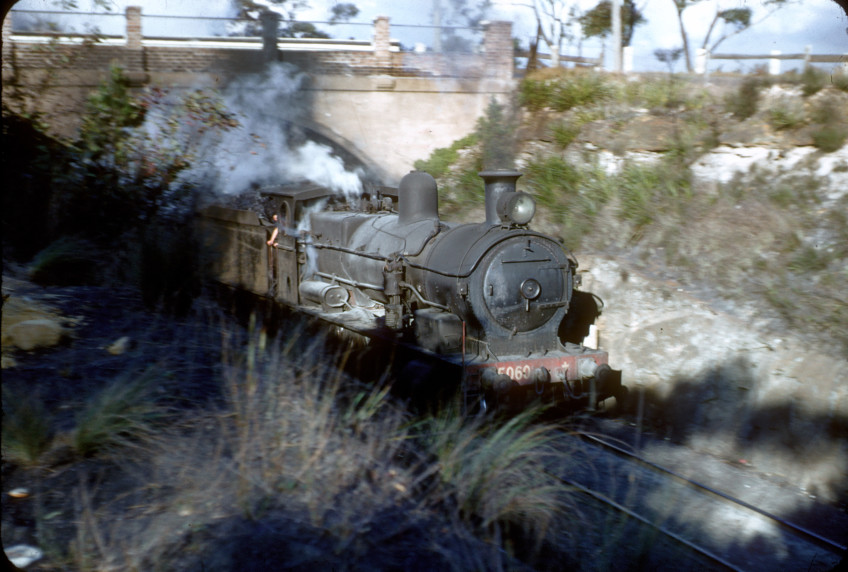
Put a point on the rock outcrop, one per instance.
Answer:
(28, 324)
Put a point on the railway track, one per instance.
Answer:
(723, 531)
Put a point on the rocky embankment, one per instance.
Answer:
(724, 383)
(710, 358)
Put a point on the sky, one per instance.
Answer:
(820, 24)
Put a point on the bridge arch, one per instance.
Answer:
(354, 158)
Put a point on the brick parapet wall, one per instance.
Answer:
(134, 37)
(174, 59)
(498, 49)
(54, 77)
(134, 56)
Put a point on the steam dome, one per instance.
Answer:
(418, 198)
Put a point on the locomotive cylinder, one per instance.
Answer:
(327, 295)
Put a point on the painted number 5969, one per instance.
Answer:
(517, 373)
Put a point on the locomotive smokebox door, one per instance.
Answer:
(438, 331)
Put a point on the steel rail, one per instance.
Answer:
(674, 536)
(805, 533)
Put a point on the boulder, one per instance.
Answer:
(38, 333)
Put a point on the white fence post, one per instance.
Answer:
(627, 57)
(700, 61)
(774, 63)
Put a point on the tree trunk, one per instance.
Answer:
(685, 40)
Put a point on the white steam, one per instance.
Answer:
(304, 226)
(258, 152)
(313, 161)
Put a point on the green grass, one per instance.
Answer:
(655, 94)
(494, 473)
(573, 196)
(564, 90)
(564, 133)
(808, 259)
(786, 115)
(122, 415)
(27, 431)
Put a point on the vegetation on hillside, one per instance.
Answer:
(759, 237)
(116, 184)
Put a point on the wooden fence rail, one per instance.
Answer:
(774, 58)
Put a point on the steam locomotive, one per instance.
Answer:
(489, 308)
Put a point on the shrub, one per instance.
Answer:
(120, 416)
(565, 92)
(32, 161)
(644, 190)
(786, 114)
(812, 80)
(26, 427)
(117, 176)
(469, 186)
(552, 181)
(441, 159)
(564, 133)
(839, 79)
(168, 271)
(744, 102)
(495, 474)
(571, 196)
(830, 137)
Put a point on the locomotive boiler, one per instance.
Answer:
(490, 299)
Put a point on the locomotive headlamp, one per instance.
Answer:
(516, 207)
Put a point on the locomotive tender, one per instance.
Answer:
(489, 299)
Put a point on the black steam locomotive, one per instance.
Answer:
(492, 302)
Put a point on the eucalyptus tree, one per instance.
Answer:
(725, 23)
(556, 24)
(597, 21)
(250, 12)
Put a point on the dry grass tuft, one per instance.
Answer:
(122, 415)
(304, 465)
(495, 473)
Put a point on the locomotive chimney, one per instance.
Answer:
(497, 183)
(418, 198)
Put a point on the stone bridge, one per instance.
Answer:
(375, 103)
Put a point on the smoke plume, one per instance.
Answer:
(260, 152)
